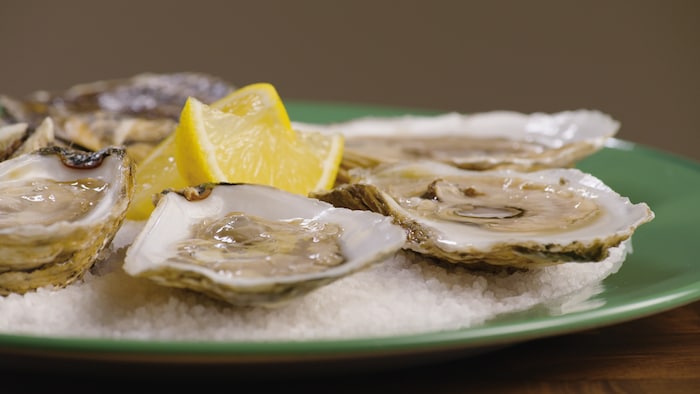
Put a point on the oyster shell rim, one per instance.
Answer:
(265, 291)
(107, 217)
(569, 135)
(423, 238)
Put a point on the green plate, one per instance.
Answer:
(661, 274)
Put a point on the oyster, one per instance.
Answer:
(16, 139)
(480, 141)
(254, 244)
(497, 217)
(137, 112)
(11, 137)
(59, 209)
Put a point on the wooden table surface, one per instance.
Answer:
(655, 354)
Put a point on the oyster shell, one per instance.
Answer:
(16, 139)
(480, 141)
(11, 137)
(497, 217)
(58, 210)
(137, 112)
(254, 244)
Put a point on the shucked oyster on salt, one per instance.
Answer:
(480, 141)
(495, 217)
(255, 244)
(59, 209)
(137, 112)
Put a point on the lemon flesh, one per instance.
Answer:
(259, 102)
(156, 173)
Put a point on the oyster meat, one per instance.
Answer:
(480, 141)
(137, 112)
(496, 217)
(255, 244)
(59, 208)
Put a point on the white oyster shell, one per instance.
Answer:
(496, 217)
(479, 141)
(16, 139)
(59, 209)
(11, 138)
(366, 238)
(136, 112)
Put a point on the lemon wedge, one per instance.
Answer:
(258, 101)
(245, 136)
(224, 147)
(157, 172)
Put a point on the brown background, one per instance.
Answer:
(636, 60)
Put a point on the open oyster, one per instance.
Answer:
(17, 139)
(58, 210)
(480, 141)
(137, 112)
(496, 217)
(11, 137)
(255, 244)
